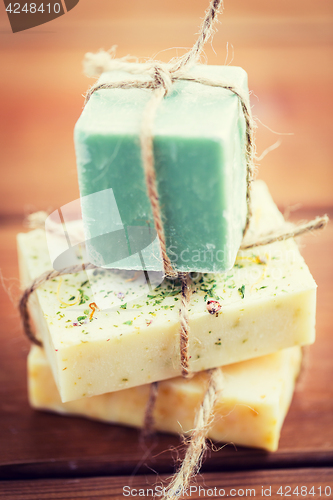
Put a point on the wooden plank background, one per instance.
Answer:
(112, 488)
(286, 48)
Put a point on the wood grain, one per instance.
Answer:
(236, 485)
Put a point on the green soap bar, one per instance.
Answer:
(199, 149)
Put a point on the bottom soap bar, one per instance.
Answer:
(250, 411)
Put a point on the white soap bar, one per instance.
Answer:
(268, 303)
(250, 411)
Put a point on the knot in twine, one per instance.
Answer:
(163, 78)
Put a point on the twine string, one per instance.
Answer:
(184, 324)
(197, 442)
(160, 78)
(205, 32)
(299, 230)
(148, 420)
(36, 283)
(160, 81)
(147, 153)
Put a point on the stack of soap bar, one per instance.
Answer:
(199, 137)
(250, 412)
(268, 303)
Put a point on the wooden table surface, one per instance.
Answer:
(286, 48)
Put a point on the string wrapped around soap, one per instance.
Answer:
(159, 79)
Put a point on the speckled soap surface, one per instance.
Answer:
(268, 303)
(200, 167)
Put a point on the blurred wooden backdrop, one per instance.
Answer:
(285, 46)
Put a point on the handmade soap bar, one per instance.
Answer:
(268, 303)
(199, 149)
(250, 411)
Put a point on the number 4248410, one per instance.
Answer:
(304, 491)
(31, 8)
